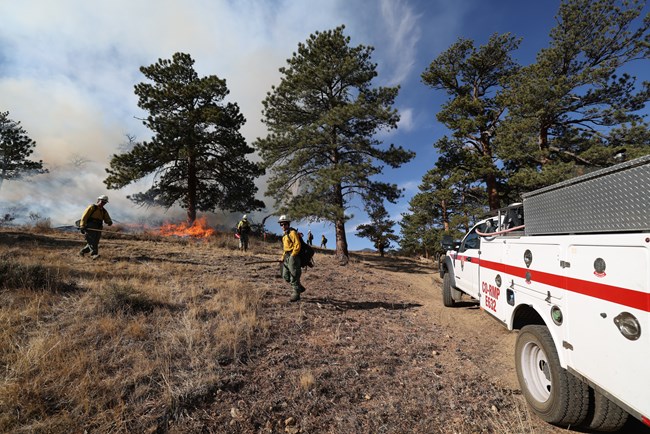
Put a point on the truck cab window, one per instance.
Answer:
(471, 241)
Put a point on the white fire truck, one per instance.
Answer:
(570, 269)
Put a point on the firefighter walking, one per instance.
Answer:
(291, 267)
(91, 224)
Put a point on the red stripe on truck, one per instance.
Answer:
(627, 297)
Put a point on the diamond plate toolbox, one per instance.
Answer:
(615, 199)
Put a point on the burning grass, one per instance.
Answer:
(198, 229)
(139, 343)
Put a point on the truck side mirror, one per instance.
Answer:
(448, 243)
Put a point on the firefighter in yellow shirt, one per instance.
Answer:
(291, 267)
(91, 223)
(243, 230)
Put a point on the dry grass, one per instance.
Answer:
(117, 347)
(178, 335)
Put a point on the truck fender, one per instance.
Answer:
(526, 314)
(447, 266)
(450, 293)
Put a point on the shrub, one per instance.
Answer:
(125, 298)
(15, 275)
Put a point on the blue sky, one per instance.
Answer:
(68, 68)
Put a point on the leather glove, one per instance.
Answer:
(83, 231)
(110, 224)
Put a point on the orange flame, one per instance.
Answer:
(198, 229)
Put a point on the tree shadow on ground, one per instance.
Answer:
(394, 264)
(146, 258)
(22, 239)
(467, 304)
(361, 305)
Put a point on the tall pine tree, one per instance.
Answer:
(322, 118)
(574, 109)
(472, 77)
(197, 154)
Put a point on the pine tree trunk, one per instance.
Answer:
(490, 177)
(492, 191)
(445, 217)
(191, 191)
(542, 142)
(341, 242)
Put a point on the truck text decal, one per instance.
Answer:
(491, 293)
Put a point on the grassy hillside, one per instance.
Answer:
(123, 343)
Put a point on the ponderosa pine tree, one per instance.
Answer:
(15, 148)
(322, 118)
(447, 204)
(197, 153)
(576, 108)
(472, 77)
(420, 225)
(380, 229)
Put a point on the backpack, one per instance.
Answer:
(306, 253)
(78, 222)
(243, 228)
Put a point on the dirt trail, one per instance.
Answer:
(486, 347)
(493, 343)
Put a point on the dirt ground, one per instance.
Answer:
(370, 349)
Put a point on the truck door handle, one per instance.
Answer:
(469, 259)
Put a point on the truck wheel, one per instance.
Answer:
(554, 394)
(447, 298)
(605, 415)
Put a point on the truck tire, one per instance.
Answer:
(604, 415)
(447, 298)
(551, 391)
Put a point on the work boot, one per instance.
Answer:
(96, 256)
(82, 252)
(295, 296)
(301, 289)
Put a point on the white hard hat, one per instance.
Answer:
(283, 218)
(103, 198)
(244, 218)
